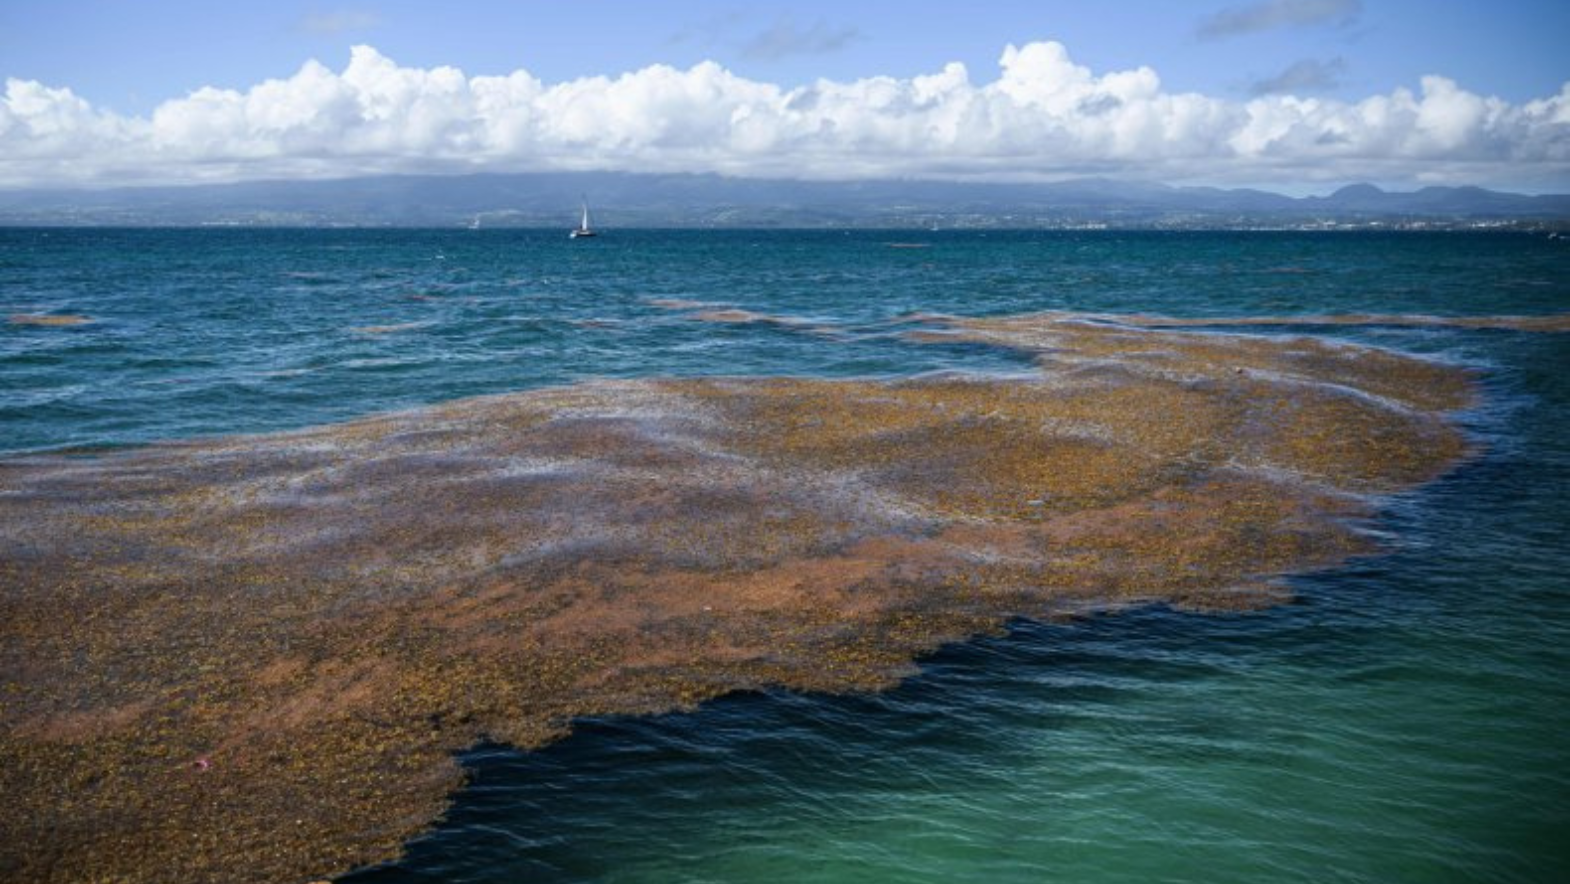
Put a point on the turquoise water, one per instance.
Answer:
(1405, 720)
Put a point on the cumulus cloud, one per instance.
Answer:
(1307, 75)
(1041, 117)
(1271, 14)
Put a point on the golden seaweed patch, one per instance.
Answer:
(43, 319)
(253, 659)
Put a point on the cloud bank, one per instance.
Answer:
(1043, 117)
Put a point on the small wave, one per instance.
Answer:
(387, 329)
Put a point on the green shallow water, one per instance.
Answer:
(1404, 720)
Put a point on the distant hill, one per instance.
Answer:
(629, 200)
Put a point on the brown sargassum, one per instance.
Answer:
(253, 658)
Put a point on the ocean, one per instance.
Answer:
(1397, 716)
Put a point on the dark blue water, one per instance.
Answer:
(1408, 719)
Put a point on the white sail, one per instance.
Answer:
(583, 228)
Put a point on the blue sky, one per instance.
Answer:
(126, 59)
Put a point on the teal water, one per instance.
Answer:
(1405, 720)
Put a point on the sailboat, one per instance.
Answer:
(583, 228)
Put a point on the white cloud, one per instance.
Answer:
(1041, 117)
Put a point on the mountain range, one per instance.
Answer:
(707, 200)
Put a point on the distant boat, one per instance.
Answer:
(583, 227)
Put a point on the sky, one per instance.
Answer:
(1293, 95)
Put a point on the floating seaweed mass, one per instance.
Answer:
(44, 319)
(254, 658)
